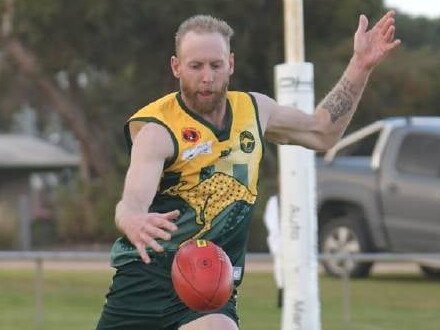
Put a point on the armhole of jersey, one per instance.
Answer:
(168, 162)
(257, 116)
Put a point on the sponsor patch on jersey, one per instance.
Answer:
(204, 148)
(190, 134)
(201, 243)
(236, 273)
(247, 142)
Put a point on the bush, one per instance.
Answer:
(8, 226)
(85, 214)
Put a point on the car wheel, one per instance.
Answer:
(344, 235)
(430, 272)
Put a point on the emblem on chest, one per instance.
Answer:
(247, 142)
(190, 134)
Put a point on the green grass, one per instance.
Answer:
(383, 302)
(73, 300)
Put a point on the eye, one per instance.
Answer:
(195, 66)
(216, 65)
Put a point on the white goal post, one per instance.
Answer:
(297, 186)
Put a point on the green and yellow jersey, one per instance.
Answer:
(211, 178)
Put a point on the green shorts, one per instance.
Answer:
(142, 297)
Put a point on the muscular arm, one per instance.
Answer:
(152, 145)
(322, 129)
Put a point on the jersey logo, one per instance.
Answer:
(236, 273)
(190, 134)
(202, 148)
(225, 153)
(210, 197)
(201, 243)
(247, 142)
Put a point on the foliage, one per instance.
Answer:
(85, 214)
(329, 22)
(8, 227)
(419, 32)
(111, 57)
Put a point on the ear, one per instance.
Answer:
(175, 66)
(231, 63)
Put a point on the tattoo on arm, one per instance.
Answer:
(340, 102)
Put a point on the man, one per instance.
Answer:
(194, 167)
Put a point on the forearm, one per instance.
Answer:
(339, 106)
(151, 147)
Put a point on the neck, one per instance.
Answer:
(215, 114)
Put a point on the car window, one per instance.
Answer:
(419, 154)
(363, 147)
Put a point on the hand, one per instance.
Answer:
(142, 229)
(373, 46)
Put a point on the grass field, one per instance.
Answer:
(73, 300)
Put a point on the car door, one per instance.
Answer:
(410, 189)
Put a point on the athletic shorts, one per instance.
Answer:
(142, 297)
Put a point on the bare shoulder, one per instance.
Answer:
(287, 124)
(151, 139)
(264, 102)
(265, 105)
(273, 114)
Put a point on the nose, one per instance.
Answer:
(208, 75)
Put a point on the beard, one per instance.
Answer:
(194, 102)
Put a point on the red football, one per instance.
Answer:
(202, 275)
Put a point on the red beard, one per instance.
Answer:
(202, 101)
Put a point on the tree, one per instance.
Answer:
(96, 62)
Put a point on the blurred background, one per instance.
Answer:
(72, 72)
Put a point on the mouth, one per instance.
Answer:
(205, 93)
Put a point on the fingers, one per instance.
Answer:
(155, 226)
(155, 245)
(383, 25)
(163, 220)
(395, 43)
(385, 20)
(172, 215)
(388, 30)
(143, 254)
(144, 241)
(159, 228)
(388, 27)
(389, 36)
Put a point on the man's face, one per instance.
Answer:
(203, 65)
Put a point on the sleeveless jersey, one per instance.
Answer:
(211, 178)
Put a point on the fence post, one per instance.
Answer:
(25, 223)
(346, 289)
(39, 303)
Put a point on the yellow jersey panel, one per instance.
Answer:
(212, 177)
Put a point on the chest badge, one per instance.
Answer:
(225, 153)
(247, 142)
(190, 134)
